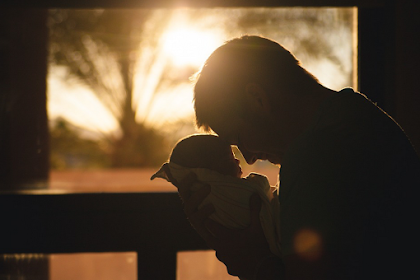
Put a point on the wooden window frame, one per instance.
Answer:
(153, 224)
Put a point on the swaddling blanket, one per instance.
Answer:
(230, 198)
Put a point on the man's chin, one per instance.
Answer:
(274, 159)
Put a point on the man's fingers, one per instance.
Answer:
(220, 231)
(195, 199)
(255, 202)
(185, 184)
(197, 220)
(255, 208)
(192, 200)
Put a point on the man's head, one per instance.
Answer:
(222, 81)
(206, 151)
(240, 86)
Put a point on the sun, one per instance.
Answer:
(189, 46)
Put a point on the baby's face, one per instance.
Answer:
(229, 165)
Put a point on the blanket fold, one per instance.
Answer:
(230, 198)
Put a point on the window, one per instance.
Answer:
(85, 123)
(119, 94)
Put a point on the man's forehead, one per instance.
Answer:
(224, 129)
(230, 128)
(228, 135)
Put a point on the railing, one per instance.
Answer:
(151, 224)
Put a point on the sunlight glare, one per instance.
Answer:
(77, 103)
(188, 46)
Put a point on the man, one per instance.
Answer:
(348, 172)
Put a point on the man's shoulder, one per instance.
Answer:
(351, 136)
(349, 120)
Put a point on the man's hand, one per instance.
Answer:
(245, 252)
(242, 251)
(192, 201)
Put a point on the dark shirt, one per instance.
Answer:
(347, 190)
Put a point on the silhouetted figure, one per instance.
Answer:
(214, 163)
(348, 178)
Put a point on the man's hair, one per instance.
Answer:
(199, 151)
(247, 59)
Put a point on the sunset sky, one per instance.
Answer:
(186, 42)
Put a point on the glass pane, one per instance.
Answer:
(98, 266)
(119, 94)
(80, 266)
(204, 265)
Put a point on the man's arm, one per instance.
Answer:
(270, 268)
(244, 252)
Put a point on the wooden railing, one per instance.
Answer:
(151, 224)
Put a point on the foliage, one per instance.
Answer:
(146, 147)
(100, 49)
(68, 149)
(106, 49)
(314, 33)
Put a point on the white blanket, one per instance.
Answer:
(230, 198)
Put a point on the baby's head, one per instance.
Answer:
(206, 151)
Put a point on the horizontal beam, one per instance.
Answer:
(188, 3)
(96, 222)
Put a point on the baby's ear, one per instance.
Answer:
(257, 97)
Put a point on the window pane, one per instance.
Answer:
(119, 94)
(201, 265)
(80, 266)
(98, 266)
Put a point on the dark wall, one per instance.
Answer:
(407, 61)
(388, 58)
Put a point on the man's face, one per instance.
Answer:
(259, 127)
(252, 137)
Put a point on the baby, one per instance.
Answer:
(214, 163)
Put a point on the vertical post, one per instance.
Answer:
(23, 115)
(23, 120)
(156, 265)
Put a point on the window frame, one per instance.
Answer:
(153, 224)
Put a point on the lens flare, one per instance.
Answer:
(308, 244)
(188, 46)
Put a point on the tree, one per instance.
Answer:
(106, 49)
(68, 149)
(101, 49)
(315, 35)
